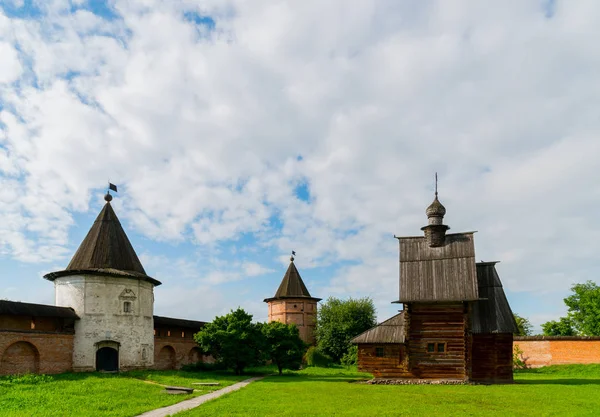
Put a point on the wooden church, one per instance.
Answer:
(456, 323)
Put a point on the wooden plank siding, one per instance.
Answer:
(443, 274)
(492, 358)
(438, 323)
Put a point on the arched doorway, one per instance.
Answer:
(20, 358)
(166, 358)
(194, 356)
(107, 359)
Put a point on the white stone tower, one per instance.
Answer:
(106, 285)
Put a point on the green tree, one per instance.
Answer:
(283, 345)
(584, 308)
(338, 321)
(233, 340)
(562, 327)
(523, 326)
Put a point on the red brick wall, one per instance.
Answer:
(47, 353)
(301, 312)
(559, 350)
(173, 352)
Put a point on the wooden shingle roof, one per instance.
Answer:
(389, 331)
(106, 250)
(17, 308)
(491, 313)
(160, 321)
(292, 286)
(444, 273)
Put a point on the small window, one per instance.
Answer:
(168, 332)
(182, 334)
(154, 332)
(436, 347)
(127, 307)
(379, 352)
(32, 323)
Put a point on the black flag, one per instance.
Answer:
(112, 187)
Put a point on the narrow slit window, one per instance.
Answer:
(379, 352)
(127, 307)
(168, 332)
(182, 334)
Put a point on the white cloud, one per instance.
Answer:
(10, 66)
(205, 132)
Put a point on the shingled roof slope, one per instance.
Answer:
(444, 273)
(292, 286)
(389, 331)
(17, 308)
(106, 250)
(173, 322)
(492, 313)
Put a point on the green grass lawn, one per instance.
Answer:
(557, 390)
(96, 394)
(572, 390)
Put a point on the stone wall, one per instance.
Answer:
(111, 310)
(35, 352)
(558, 350)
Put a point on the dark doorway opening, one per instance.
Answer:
(107, 359)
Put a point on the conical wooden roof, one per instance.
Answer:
(292, 286)
(106, 250)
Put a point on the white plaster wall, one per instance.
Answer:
(98, 301)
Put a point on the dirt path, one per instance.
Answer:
(195, 402)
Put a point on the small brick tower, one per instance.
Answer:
(293, 304)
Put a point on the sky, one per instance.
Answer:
(239, 131)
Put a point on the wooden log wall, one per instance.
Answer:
(492, 358)
(438, 323)
(393, 364)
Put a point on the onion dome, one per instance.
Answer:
(436, 209)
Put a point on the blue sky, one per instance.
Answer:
(238, 133)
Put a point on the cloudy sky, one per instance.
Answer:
(238, 131)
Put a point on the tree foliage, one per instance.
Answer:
(338, 321)
(583, 316)
(283, 345)
(523, 326)
(584, 308)
(232, 340)
(562, 327)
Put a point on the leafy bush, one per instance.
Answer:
(283, 345)
(519, 362)
(350, 358)
(233, 340)
(314, 357)
(338, 321)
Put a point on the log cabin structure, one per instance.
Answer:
(456, 323)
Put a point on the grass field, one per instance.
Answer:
(95, 394)
(572, 390)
